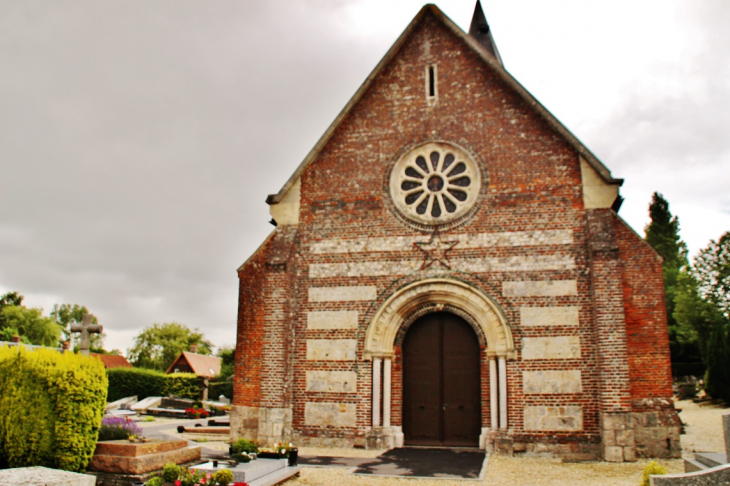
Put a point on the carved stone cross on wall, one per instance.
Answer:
(86, 328)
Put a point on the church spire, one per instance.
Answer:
(479, 30)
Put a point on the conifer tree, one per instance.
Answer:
(662, 233)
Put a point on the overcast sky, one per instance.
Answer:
(139, 138)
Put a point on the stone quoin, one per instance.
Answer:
(448, 268)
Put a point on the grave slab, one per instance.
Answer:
(121, 403)
(167, 412)
(249, 472)
(43, 476)
(207, 430)
(148, 402)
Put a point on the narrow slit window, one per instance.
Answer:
(431, 83)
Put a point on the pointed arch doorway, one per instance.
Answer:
(441, 382)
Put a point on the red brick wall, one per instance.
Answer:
(646, 319)
(249, 337)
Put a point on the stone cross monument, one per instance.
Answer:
(86, 328)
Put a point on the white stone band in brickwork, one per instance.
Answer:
(331, 349)
(549, 316)
(547, 288)
(471, 265)
(332, 381)
(342, 294)
(557, 347)
(552, 382)
(332, 320)
(479, 240)
(324, 414)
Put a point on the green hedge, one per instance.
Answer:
(218, 388)
(51, 406)
(126, 382)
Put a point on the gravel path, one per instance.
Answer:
(703, 433)
(703, 427)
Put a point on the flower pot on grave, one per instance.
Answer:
(293, 454)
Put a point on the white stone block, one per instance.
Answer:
(552, 381)
(332, 381)
(331, 349)
(548, 288)
(557, 347)
(342, 294)
(549, 316)
(359, 269)
(514, 264)
(332, 320)
(332, 414)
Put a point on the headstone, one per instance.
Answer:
(86, 328)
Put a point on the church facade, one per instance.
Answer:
(448, 268)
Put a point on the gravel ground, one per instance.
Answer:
(703, 427)
(703, 433)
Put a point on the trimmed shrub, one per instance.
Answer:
(223, 477)
(51, 406)
(649, 469)
(126, 382)
(244, 445)
(155, 481)
(170, 472)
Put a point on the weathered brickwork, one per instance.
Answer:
(567, 299)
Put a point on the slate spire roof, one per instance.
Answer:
(480, 31)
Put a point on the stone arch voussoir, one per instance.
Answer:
(385, 324)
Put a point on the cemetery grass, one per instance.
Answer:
(703, 434)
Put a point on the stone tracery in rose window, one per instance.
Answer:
(435, 183)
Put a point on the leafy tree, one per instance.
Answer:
(9, 299)
(157, 346)
(712, 268)
(704, 305)
(30, 325)
(662, 233)
(227, 356)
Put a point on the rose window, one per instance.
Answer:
(434, 183)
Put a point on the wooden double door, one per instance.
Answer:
(441, 382)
